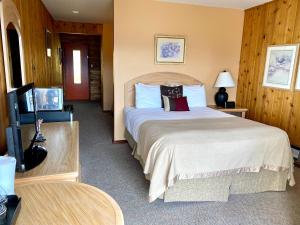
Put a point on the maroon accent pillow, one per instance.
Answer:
(181, 104)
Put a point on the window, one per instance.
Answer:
(49, 52)
(77, 66)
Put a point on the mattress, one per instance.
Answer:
(134, 118)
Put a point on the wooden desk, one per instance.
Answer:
(62, 161)
(67, 203)
(235, 111)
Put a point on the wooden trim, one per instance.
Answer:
(119, 142)
(78, 28)
(156, 78)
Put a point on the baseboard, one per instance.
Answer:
(119, 142)
(108, 112)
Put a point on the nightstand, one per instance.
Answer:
(237, 111)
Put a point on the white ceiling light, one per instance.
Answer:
(75, 11)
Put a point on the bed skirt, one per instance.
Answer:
(220, 188)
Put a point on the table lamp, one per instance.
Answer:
(223, 81)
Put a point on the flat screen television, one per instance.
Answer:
(49, 99)
(21, 102)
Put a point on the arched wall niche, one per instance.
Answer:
(10, 20)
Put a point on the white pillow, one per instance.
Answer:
(147, 96)
(195, 94)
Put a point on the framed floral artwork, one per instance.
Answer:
(280, 66)
(169, 49)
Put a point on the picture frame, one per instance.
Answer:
(170, 49)
(280, 66)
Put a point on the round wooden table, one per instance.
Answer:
(67, 203)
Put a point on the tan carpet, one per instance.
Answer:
(113, 169)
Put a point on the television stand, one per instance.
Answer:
(62, 161)
(34, 156)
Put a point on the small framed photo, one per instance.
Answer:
(280, 66)
(169, 49)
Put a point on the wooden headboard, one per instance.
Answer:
(162, 78)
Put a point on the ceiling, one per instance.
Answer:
(101, 11)
(234, 4)
(90, 11)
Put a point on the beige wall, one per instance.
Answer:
(107, 67)
(213, 44)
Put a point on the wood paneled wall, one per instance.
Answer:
(274, 23)
(35, 19)
(40, 69)
(78, 28)
(57, 79)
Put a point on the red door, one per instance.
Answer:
(76, 74)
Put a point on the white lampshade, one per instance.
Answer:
(225, 80)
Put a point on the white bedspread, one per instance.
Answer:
(134, 118)
(203, 143)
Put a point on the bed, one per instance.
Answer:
(204, 154)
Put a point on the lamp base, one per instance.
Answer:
(221, 97)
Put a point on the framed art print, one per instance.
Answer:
(280, 66)
(169, 49)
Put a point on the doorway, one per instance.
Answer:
(14, 57)
(87, 50)
(76, 73)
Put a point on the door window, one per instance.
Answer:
(77, 66)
